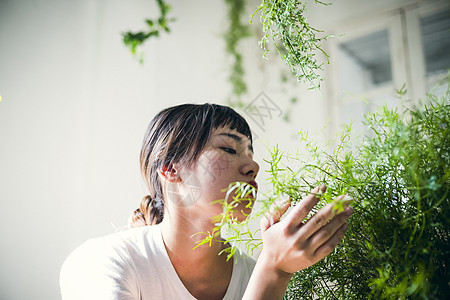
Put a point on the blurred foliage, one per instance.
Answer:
(236, 32)
(135, 40)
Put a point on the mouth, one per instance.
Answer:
(253, 184)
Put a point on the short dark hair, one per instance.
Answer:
(178, 134)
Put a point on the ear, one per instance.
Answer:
(170, 173)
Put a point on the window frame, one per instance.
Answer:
(407, 56)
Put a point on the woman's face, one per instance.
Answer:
(227, 158)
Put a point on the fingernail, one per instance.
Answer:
(347, 198)
(348, 211)
(282, 202)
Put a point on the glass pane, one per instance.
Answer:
(435, 31)
(365, 62)
(353, 112)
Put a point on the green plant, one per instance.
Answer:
(135, 40)
(397, 242)
(285, 24)
(236, 31)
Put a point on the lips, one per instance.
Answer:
(254, 184)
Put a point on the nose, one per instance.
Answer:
(250, 168)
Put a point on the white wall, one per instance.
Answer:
(45, 82)
(75, 106)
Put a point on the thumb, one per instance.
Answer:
(273, 216)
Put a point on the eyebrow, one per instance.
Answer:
(236, 138)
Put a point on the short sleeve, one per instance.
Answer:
(98, 271)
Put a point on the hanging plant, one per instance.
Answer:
(236, 32)
(285, 25)
(135, 40)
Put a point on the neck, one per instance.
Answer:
(182, 232)
(202, 269)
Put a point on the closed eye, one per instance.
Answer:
(229, 150)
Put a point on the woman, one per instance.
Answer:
(190, 154)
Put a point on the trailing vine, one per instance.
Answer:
(135, 40)
(235, 33)
(284, 23)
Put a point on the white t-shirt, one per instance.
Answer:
(134, 264)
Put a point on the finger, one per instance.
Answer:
(274, 214)
(302, 209)
(327, 231)
(321, 218)
(327, 247)
(341, 203)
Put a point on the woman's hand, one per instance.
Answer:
(291, 245)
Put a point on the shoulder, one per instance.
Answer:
(111, 261)
(117, 246)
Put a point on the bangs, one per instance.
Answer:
(180, 133)
(226, 117)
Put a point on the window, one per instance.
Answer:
(366, 63)
(406, 46)
(435, 32)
